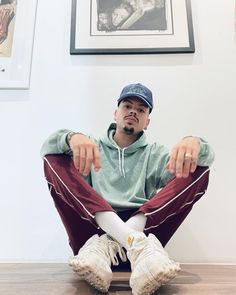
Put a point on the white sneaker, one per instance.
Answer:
(150, 264)
(93, 262)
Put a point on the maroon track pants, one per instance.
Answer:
(77, 202)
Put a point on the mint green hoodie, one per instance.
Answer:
(130, 176)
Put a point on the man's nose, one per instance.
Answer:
(132, 112)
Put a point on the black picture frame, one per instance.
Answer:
(91, 33)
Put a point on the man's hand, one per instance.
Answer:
(184, 156)
(85, 153)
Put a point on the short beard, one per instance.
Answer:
(128, 131)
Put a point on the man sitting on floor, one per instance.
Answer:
(105, 191)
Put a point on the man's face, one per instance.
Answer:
(132, 116)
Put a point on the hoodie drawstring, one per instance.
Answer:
(121, 154)
(119, 161)
(123, 161)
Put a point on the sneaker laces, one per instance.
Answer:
(114, 248)
(103, 246)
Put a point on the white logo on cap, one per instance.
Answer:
(138, 90)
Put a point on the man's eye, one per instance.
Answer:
(141, 110)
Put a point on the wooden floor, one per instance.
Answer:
(58, 279)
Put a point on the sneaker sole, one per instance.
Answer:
(89, 274)
(156, 281)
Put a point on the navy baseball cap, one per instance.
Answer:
(137, 90)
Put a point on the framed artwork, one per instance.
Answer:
(131, 26)
(17, 21)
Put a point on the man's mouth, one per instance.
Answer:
(131, 118)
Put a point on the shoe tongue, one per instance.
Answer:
(135, 239)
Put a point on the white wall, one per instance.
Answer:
(195, 94)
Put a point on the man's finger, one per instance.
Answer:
(76, 159)
(187, 163)
(82, 159)
(172, 161)
(194, 161)
(88, 161)
(179, 163)
(96, 159)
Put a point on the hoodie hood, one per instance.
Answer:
(109, 142)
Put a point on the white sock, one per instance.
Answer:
(114, 226)
(137, 222)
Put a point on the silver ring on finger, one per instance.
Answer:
(187, 156)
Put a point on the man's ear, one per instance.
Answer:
(115, 115)
(148, 121)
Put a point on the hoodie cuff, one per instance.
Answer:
(62, 143)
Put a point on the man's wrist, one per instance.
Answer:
(70, 135)
(193, 136)
(188, 136)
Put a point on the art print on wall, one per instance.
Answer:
(128, 17)
(17, 20)
(7, 25)
(131, 26)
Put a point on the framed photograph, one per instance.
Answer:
(131, 26)
(17, 21)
